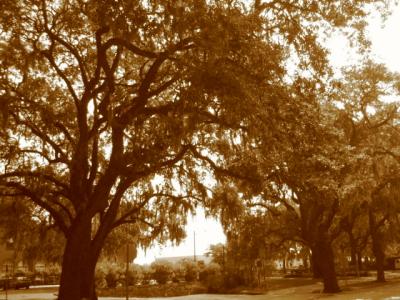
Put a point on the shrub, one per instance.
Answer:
(215, 283)
(146, 275)
(212, 278)
(111, 279)
(178, 274)
(162, 271)
(134, 275)
(233, 280)
(100, 278)
(190, 270)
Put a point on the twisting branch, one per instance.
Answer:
(42, 136)
(95, 161)
(110, 215)
(135, 210)
(36, 199)
(42, 155)
(69, 47)
(64, 208)
(134, 49)
(64, 130)
(144, 94)
(49, 55)
(217, 168)
(40, 175)
(132, 173)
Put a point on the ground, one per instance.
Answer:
(354, 289)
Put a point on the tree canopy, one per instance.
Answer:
(116, 112)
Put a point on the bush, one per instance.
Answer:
(190, 270)
(215, 283)
(211, 276)
(100, 278)
(162, 271)
(147, 275)
(134, 275)
(233, 280)
(111, 279)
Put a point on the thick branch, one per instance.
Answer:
(134, 49)
(38, 175)
(36, 199)
(217, 168)
(73, 51)
(131, 172)
(50, 58)
(36, 131)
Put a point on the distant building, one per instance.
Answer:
(174, 259)
(293, 263)
(392, 263)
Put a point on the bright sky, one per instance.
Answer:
(385, 39)
(208, 231)
(385, 43)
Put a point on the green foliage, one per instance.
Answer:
(134, 275)
(100, 98)
(111, 279)
(162, 271)
(190, 269)
(147, 275)
(212, 277)
(35, 238)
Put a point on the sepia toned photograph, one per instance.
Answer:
(199, 149)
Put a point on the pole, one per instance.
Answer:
(126, 272)
(6, 282)
(194, 245)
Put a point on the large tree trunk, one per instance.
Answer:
(324, 260)
(314, 266)
(355, 259)
(377, 248)
(359, 260)
(79, 263)
(379, 258)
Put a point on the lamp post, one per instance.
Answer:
(194, 246)
(126, 272)
(127, 263)
(6, 282)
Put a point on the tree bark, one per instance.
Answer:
(377, 248)
(379, 259)
(359, 260)
(284, 264)
(324, 260)
(355, 255)
(79, 263)
(314, 266)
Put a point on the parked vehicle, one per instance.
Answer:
(14, 282)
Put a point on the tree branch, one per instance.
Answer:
(36, 199)
(131, 172)
(49, 178)
(134, 49)
(217, 168)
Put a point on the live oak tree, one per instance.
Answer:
(99, 97)
(369, 120)
(323, 170)
(112, 110)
